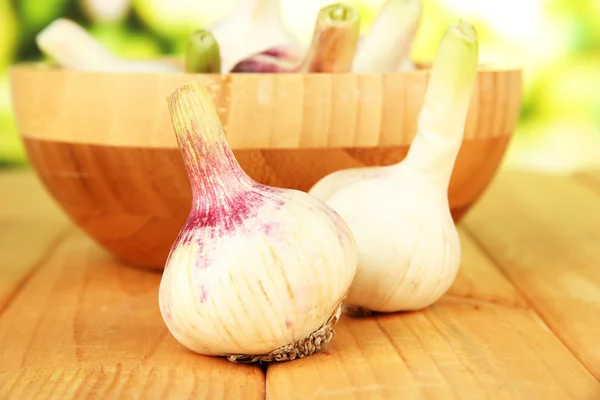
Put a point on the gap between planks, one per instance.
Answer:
(84, 325)
(531, 304)
(517, 262)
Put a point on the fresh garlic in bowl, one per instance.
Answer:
(332, 48)
(257, 273)
(408, 246)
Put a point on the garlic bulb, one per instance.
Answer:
(72, 47)
(331, 50)
(408, 247)
(253, 26)
(386, 47)
(257, 272)
(202, 54)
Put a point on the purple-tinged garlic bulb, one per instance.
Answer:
(257, 272)
(253, 26)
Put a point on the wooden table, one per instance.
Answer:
(522, 320)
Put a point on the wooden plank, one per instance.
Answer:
(456, 349)
(85, 327)
(31, 226)
(478, 342)
(544, 232)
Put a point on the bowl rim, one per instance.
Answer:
(423, 69)
(47, 103)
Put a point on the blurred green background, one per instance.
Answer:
(556, 42)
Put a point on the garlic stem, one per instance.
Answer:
(259, 9)
(72, 47)
(202, 53)
(334, 40)
(442, 119)
(387, 45)
(203, 146)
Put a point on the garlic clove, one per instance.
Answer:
(252, 27)
(257, 273)
(202, 54)
(408, 246)
(72, 47)
(332, 48)
(386, 47)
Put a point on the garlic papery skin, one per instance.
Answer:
(257, 273)
(202, 53)
(408, 247)
(332, 47)
(72, 47)
(253, 26)
(386, 47)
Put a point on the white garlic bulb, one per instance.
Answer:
(257, 272)
(252, 27)
(408, 247)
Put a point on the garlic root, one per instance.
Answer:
(315, 342)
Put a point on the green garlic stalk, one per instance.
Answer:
(202, 53)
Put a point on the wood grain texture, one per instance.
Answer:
(456, 349)
(134, 200)
(32, 226)
(258, 111)
(543, 231)
(480, 280)
(85, 327)
(480, 341)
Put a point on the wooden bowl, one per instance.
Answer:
(104, 147)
